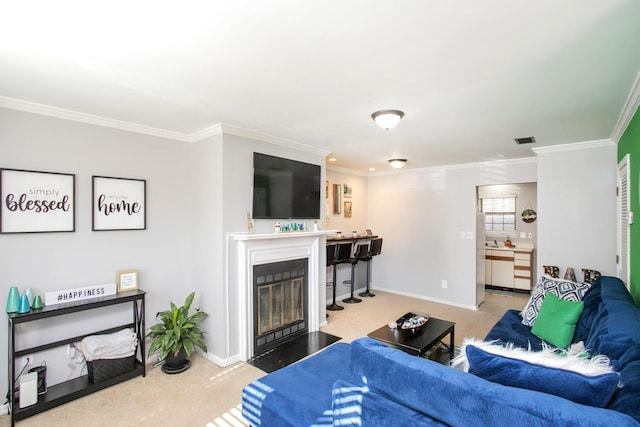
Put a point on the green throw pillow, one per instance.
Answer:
(556, 321)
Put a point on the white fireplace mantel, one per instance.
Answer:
(254, 249)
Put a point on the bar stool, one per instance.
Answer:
(331, 261)
(375, 249)
(353, 260)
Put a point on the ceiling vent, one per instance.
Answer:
(526, 140)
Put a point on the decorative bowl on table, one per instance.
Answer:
(412, 321)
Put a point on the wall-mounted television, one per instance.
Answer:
(284, 188)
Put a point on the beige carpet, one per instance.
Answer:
(207, 395)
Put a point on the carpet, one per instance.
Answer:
(292, 351)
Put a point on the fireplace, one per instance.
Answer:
(280, 300)
(249, 250)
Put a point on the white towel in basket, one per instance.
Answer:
(112, 346)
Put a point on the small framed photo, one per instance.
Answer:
(36, 202)
(127, 280)
(119, 204)
(348, 190)
(347, 209)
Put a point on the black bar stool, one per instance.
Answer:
(375, 248)
(353, 260)
(331, 261)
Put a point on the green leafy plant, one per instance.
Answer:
(176, 330)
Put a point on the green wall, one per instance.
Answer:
(630, 143)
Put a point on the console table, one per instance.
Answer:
(69, 390)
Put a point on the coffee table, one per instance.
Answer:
(420, 341)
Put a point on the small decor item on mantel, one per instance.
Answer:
(176, 335)
(249, 223)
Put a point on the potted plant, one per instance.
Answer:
(176, 335)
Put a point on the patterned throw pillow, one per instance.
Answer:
(563, 289)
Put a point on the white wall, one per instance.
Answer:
(577, 207)
(420, 214)
(51, 261)
(359, 218)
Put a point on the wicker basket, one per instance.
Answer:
(103, 369)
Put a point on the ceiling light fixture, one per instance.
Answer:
(387, 119)
(397, 163)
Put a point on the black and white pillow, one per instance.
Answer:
(563, 289)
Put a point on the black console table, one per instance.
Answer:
(70, 390)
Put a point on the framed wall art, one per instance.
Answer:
(36, 202)
(337, 198)
(347, 191)
(347, 209)
(119, 204)
(127, 280)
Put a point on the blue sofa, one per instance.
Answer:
(366, 383)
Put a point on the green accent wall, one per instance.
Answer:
(630, 143)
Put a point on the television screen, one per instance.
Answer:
(284, 188)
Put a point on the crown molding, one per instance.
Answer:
(629, 110)
(205, 133)
(341, 169)
(76, 116)
(574, 146)
(217, 129)
(262, 137)
(444, 168)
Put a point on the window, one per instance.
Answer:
(500, 213)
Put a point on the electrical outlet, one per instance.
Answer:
(444, 284)
(27, 360)
(530, 235)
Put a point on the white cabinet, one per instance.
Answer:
(487, 270)
(509, 268)
(523, 269)
(500, 263)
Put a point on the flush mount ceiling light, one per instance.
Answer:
(387, 119)
(397, 163)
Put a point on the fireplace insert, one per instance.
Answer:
(280, 301)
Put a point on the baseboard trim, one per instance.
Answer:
(426, 298)
(222, 362)
(4, 409)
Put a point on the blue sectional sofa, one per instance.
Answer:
(366, 383)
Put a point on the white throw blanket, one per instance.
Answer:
(113, 346)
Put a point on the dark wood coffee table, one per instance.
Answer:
(420, 342)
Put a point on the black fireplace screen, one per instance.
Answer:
(280, 303)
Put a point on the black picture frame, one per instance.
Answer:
(118, 203)
(36, 201)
